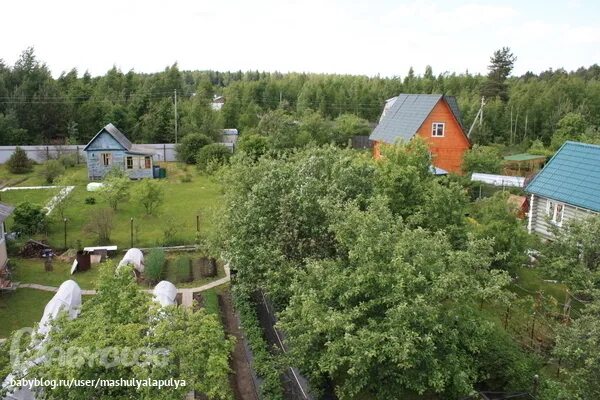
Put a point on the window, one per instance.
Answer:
(558, 213)
(437, 129)
(147, 162)
(106, 159)
(555, 211)
(550, 209)
(129, 162)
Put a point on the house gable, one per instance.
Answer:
(104, 141)
(447, 150)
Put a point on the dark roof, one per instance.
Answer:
(5, 211)
(571, 176)
(407, 114)
(115, 133)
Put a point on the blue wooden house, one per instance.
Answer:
(110, 149)
(567, 188)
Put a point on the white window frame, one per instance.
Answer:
(434, 129)
(552, 212)
(128, 162)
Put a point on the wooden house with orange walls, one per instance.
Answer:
(434, 117)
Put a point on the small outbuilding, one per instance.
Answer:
(110, 149)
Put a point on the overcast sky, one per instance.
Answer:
(358, 37)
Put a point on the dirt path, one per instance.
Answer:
(241, 379)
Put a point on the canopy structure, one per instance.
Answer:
(165, 293)
(133, 257)
(68, 298)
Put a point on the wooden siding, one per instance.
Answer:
(447, 151)
(105, 143)
(541, 223)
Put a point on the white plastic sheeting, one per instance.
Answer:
(94, 186)
(498, 180)
(134, 257)
(68, 298)
(165, 293)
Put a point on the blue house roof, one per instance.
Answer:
(407, 114)
(572, 176)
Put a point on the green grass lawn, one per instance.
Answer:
(183, 202)
(35, 196)
(21, 308)
(31, 270)
(211, 302)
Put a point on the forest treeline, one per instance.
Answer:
(37, 108)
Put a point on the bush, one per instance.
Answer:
(115, 191)
(186, 178)
(183, 269)
(484, 159)
(253, 145)
(100, 223)
(52, 170)
(19, 163)
(68, 160)
(149, 193)
(154, 264)
(90, 200)
(29, 218)
(212, 155)
(190, 145)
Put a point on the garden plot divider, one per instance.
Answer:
(295, 385)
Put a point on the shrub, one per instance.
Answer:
(19, 163)
(68, 160)
(154, 264)
(183, 269)
(100, 223)
(150, 193)
(29, 218)
(484, 159)
(212, 155)
(186, 178)
(90, 200)
(115, 191)
(253, 145)
(52, 169)
(190, 145)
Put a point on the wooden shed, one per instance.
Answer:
(523, 164)
(110, 149)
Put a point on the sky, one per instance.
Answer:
(377, 37)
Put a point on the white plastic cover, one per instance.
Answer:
(165, 293)
(134, 257)
(93, 186)
(68, 297)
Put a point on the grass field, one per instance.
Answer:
(183, 201)
(21, 308)
(32, 271)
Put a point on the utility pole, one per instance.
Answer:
(175, 116)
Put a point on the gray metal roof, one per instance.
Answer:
(115, 133)
(407, 114)
(5, 211)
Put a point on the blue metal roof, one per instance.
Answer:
(407, 114)
(572, 176)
